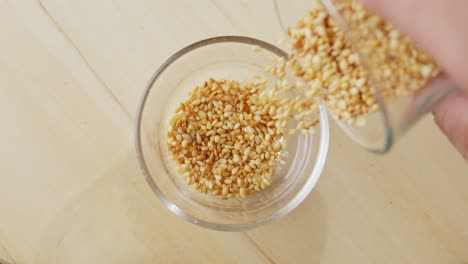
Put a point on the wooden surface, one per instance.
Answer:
(71, 74)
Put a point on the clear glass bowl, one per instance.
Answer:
(227, 57)
(395, 116)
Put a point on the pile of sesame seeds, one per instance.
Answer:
(226, 137)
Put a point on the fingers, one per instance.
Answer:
(451, 116)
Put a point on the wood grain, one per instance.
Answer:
(72, 73)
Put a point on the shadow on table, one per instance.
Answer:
(298, 237)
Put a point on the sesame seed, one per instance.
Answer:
(224, 140)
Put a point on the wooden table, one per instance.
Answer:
(71, 74)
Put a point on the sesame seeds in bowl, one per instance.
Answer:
(226, 138)
(257, 198)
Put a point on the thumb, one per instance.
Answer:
(451, 115)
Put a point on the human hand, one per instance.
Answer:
(438, 27)
(451, 116)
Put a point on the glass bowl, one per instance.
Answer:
(226, 57)
(395, 115)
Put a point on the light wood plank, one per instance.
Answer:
(119, 220)
(127, 46)
(55, 141)
(361, 190)
(68, 153)
(406, 207)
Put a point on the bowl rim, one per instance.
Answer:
(292, 204)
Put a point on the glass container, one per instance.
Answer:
(395, 114)
(226, 57)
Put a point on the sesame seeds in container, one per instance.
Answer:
(214, 143)
(226, 138)
(375, 82)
